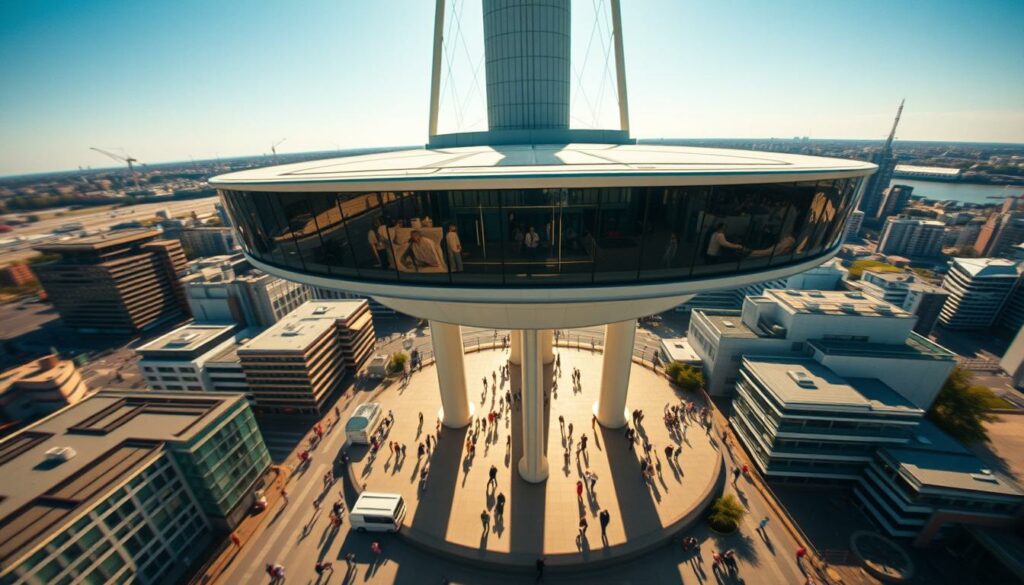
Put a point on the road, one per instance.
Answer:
(95, 220)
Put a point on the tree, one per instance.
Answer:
(397, 362)
(726, 513)
(961, 409)
(687, 377)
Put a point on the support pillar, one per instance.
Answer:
(456, 409)
(533, 467)
(547, 346)
(615, 366)
(515, 355)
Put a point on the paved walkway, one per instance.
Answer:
(541, 519)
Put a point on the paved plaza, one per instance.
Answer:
(445, 511)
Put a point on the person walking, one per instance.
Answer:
(493, 473)
(579, 490)
(763, 523)
(485, 519)
(583, 529)
(321, 567)
(605, 519)
(376, 549)
(540, 570)
(350, 561)
(591, 478)
(735, 475)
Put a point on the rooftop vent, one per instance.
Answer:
(816, 294)
(59, 454)
(985, 475)
(854, 295)
(801, 379)
(883, 309)
(291, 330)
(320, 310)
(848, 307)
(728, 324)
(811, 306)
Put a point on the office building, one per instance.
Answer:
(853, 227)
(978, 288)
(224, 371)
(925, 301)
(203, 242)
(1012, 361)
(226, 289)
(15, 275)
(894, 200)
(1002, 231)
(907, 291)
(39, 387)
(378, 310)
(297, 365)
(876, 184)
(116, 282)
(126, 486)
(911, 237)
(848, 332)
(177, 360)
(923, 489)
(610, 230)
(801, 421)
(827, 276)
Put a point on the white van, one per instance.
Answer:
(377, 512)
(363, 423)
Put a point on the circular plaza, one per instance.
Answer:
(446, 509)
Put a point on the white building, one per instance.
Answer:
(177, 360)
(848, 332)
(978, 288)
(904, 236)
(226, 289)
(853, 228)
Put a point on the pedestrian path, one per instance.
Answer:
(281, 443)
(454, 509)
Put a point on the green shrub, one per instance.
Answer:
(397, 362)
(726, 513)
(687, 377)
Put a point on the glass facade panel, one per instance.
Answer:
(544, 237)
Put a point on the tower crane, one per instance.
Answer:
(125, 159)
(273, 148)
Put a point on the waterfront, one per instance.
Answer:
(965, 192)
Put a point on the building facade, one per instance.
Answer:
(297, 366)
(126, 487)
(177, 361)
(1002, 231)
(853, 228)
(978, 288)
(226, 289)
(378, 310)
(911, 237)
(16, 275)
(122, 282)
(40, 387)
(203, 242)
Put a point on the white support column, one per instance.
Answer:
(515, 355)
(435, 70)
(533, 467)
(618, 359)
(547, 346)
(456, 409)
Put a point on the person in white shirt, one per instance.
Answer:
(454, 249)
(423, 252)
(719, 245)
(531, 241)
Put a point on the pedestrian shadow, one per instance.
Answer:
(636, 506)
(740, 542)
(433, 511)
(527, 502)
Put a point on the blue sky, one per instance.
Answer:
(170, 80)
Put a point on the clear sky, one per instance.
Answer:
(205, 78)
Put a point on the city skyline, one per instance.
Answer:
(166, 84)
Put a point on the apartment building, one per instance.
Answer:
(1002, 231)
(378, 310)
(853, 226)
(905, 290)
(297, 365)
(846, 331)
(126, 487)
(119, 282)
(905, 236)
(978, 288)
(226, 289)
(202, 242)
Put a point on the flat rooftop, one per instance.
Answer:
(825, 388)
(680, 350)
(834, 302)
(98, 241)
(185, 339)
(956, 471)
(554, 163)
(113, 432)
(34, 372)
(916, 347)
(298, 329)
(728, 323)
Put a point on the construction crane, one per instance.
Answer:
(273, 148)
(125, 159)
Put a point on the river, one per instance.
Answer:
(965, 192)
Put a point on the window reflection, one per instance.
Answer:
(534, 237)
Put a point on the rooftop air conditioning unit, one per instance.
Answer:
(59, 454)
(801, 379)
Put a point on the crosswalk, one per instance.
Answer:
(281, 443)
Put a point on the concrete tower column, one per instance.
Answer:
(547, 346)
(456, 409)
(618, 359)
(533, 467)
(515, 340)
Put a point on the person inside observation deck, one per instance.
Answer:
(454, 248)
(720, 249)
(422, 252)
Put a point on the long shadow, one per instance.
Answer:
(527, 501)
(637, 510)
(433, 511)
(740, 542)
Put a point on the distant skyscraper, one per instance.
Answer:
(978, 289)
(911, 237)
(879, 182)
(894, 200)
(853, 228)
(1002, 231)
